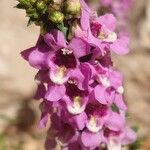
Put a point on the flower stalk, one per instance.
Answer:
(81, 91)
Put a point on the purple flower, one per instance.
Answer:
(75, 99)
(91, 140)
(100, 32)
(37, 55)
(98, 115)
(64, 133)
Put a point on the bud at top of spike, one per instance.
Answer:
(72, 7)
(25, 3)
(56, 16)
(41, 5)
(32, 2)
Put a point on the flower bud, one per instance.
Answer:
(72, 7)
(56, 16)
(40, 5)
(32, 2)
(25, 3)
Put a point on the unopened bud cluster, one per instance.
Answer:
(50, 12)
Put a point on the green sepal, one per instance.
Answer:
(32, 13)
(135, 128)
(19, 6)
(25, 3)
(30, 22)
(62, 28)
(114, 108)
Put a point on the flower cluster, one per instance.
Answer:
(81, 91)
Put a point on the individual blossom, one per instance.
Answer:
(100, 31)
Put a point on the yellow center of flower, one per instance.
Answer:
(92, 125)
(58, 76)
(102, 35)
(60, 72)
(77, 102)
(92, 121)
(76, 108)
(111, 37)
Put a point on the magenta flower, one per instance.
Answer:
(98, 115)
(100, 32)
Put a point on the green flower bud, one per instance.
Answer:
(40, 5)
(56, 16)
(25, 3)
(32, 2)
(72, 7)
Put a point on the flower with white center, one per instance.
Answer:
(76, 107)
(92, 125)
(58, 76)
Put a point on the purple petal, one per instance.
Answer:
(116, 122)
(79, 47)
(120, 47)
(41, 91)
(119, 102)
(77, 75)
(36, 58)
(45, 109)
(80, 121)
(55, 92)
(43, 121)
(85, 15)
(55, 39)
(101, 94)
(115, 78)
(109, 21)
(130, 136)
(90, 139)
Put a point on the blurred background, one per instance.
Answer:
(19, 113)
